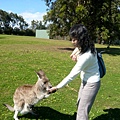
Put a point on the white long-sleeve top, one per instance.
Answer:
(86, 66)
(76, 51)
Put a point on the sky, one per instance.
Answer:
(29, 9)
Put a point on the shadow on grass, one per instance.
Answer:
(2, 37)
(47, 113)
(68, 49)
(110, 51)
(111, 114)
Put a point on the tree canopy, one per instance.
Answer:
(102, 18)
(11, 20)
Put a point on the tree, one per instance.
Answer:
(37, 25)
(102, 18)
(9, 21)
(5, 22)
(61, 15)
(110, 19)
(22, 23)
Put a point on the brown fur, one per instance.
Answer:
(28, 95)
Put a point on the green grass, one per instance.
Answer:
(21, 56)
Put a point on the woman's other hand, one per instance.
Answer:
(73, 57)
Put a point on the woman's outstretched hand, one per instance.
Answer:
(52, 90)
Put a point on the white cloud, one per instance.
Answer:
(28, 17)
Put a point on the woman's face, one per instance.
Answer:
(74, 42)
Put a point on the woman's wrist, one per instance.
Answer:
(56, 88)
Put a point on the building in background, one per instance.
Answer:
(42, 34)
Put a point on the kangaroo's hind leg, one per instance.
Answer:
(16, 115)
(18, 106)
(25, 109)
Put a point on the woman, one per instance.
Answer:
(87, 66)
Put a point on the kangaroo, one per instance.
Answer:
(26, 96)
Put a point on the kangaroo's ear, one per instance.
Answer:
(40, 74)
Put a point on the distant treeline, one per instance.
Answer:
(11, 23)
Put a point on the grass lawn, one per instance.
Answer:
(20, 56)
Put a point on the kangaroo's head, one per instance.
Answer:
(43, 82)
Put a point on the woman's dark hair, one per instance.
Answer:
(80, 33)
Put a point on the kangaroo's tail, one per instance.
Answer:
(9, 107)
